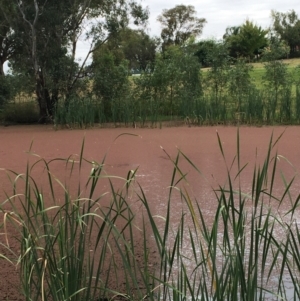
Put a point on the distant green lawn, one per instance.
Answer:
(257, 74)
(258, 71)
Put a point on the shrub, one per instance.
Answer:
(23, 112)
(5, 90)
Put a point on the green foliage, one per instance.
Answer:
(276, 75)
(78, 112)
(174, 86)
(23, 112)
(203, 50)
(246, 40)
(110, 83)
(179, 24)
(148, 101)
(254, 106)
(252, 96)
(287, 28)
(278, 83)
(298, 103)
(138, 48)
(216, 79)
(233, 41)
(58, 258)
(275, 50)
(5, 90)
(46, 37)
(253, 39)
(20, 84)
(8, 13)
(239, 83)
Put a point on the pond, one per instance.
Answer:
(213, 150)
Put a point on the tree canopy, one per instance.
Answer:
(8, 39)
(179, 24)
(246, 40)
(46, 34)
(40, 40)
(134, 45)
(287, 27)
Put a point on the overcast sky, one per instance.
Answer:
(219, 14)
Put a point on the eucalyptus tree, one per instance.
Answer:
(134, 45)
(138, 48)
(6, 44)
(179, 24)
(110, 80)
(287, 27)
(8, 40)
(49, 33)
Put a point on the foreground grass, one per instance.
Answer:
(85, 247)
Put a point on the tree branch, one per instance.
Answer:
(92, 50)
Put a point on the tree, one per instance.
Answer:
(231, 31)
(287, 27)
(110, 80)
(5, 90)
(49, 32)
(240, 82)
(253, 38)
(203, 50)
(174, 86)
(217, 76)
(136, 46)
(277, 79)
(247, 40)
(139, 48)
(276, 50)
(179, 24)
(7, 36)
(232, 39)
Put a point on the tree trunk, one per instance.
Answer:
(53, 102)
(46, 102)
(41, 99)
(2, 68)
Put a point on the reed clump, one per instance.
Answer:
(92, 244)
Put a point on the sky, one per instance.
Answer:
(219, 14)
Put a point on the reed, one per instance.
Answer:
(94, 246)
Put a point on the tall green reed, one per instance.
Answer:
(92, 245)
(240, 256)
(78, 112)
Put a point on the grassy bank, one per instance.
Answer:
(226, 94)
(258, 71)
